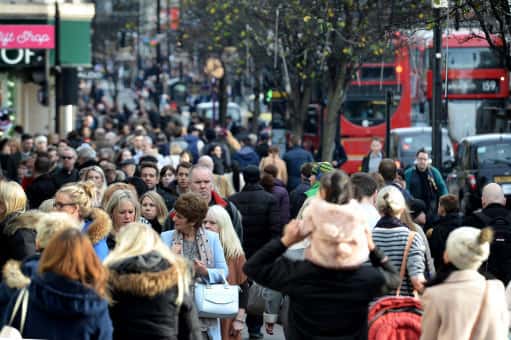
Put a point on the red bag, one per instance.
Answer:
(396, 317)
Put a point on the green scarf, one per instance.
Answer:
(313, 191)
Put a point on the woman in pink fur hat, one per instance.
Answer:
(329, 290)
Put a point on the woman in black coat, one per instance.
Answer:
(149, 288)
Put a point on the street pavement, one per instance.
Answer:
(278, 333)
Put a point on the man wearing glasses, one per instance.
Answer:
(66, 172)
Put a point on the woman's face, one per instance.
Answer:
(124, 214)
(167, 178)
(6, 150)
(181, 223)
(64, 203)
(217, 151)
(126, 154)
(210, 223)
(96, 178)
(149, 208)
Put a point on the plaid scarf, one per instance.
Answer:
(205, 253)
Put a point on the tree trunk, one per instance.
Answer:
(300, 103)
(257, 106)
(331, 124)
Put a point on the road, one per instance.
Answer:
(278, 334)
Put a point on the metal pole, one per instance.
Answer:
(436, 131)
(167, 30)
(275, 56)
(388, 114)
(158, 53)
(58, 85)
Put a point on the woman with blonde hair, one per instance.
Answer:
(67, 295)
(77, 199)
(113, 188)
(13, 202)
(392, 236)
(124, 208)
(154, 210)
(97, 176)
(218, 221)
(149, 288)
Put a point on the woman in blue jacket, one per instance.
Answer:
(202, 247)
(67, 295)
(77, 200)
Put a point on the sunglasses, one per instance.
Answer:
(60, 205)
(66, 157)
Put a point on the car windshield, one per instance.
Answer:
(231, 111)
(410, 143)
(499, 153)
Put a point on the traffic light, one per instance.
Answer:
(10, 98)
(121, 36)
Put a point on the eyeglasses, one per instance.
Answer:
(60, 205)
(66, 157)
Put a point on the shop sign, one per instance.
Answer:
(27, 36)
(22, 57)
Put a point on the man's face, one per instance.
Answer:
(201, 183)
(41, 146)
(376, 147)
(138, 142)
(183, 179)
(28, 145)
(150, 177)
(129, 169)
(422, 161)
(68, 159)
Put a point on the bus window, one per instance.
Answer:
(471, 58)
(377, 73)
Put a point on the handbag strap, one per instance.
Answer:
(483, 300)
(22, 300)
(402, 270)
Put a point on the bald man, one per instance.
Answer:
(496, 215)
(493, 202)
(220, 182)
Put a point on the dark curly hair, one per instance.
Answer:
(192, 207)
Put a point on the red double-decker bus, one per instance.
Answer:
(475, 84)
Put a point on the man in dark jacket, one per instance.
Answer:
(260, 224)
(43, 186)
(449, 219)
(295, 157)
(371, 161)
(495, 214)
(426, 183)
(67, 172)
(297, 196)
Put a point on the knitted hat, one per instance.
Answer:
(337, 234)
(417, 206)
(251, 174)
(468, 248)
(321, 168)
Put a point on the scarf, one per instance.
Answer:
(313, 191)
(205, 254)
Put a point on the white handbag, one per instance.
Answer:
(9, 332)
(216, 300)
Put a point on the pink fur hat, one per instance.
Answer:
(337, 234)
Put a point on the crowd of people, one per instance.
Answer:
(106, 233)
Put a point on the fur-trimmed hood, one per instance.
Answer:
(97, 225)
(145, 275)
(17, 274)
(20, 220)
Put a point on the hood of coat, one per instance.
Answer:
(11, 223)
(17, 274)
(144, 275)
(60, 296)
(97, 225)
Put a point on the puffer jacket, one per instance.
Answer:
(260, 215)
(144, 291)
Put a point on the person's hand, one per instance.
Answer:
(334, 164)
(269, 328)
(370, 242)
(200, 267)
(177, 248)
(236, 327)
(292, 233)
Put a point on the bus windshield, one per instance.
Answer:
(471, 58)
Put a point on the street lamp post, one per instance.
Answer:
(436, 130)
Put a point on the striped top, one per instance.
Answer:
(393, 242)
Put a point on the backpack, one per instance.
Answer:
(396, 317)
(499, 261)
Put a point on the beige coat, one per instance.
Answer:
(279, 163)
(451, 309)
